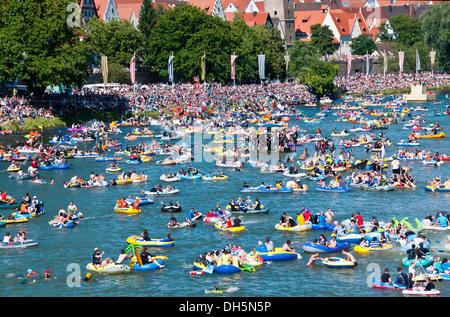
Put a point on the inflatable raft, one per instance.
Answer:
(151, 243)
(128, 210)
(277, 255)
(109, 269)
(335, 262)
(334, 190)
(379, 284)
(315, 247)
(13, 245)
(148, 266)
(360, 249)
(232, 229)
(295, 228)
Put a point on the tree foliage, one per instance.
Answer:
(362, 45)
(119, 40)
(39, 47)
(320, 76)
(436, 30)
(189, 33)
(322, 39)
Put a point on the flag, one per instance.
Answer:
(385, 63)
(233, 57)
(286, 60)
(417, 61)
(105, 70)
(170, 68)
(133, 69)
(367, 63)
(349, 63)
(433, 57)
(261, 64)
(203, 66)
(401, 57)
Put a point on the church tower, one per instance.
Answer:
(283, 10)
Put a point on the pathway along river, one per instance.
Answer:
(62, 251)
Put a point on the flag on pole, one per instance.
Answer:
(367, 63)
(105, 70)
(401, 58)
(203, 66)
(170, 68)
(433, 57)
(385, 62)
(417, 61)
(261, 65)
(286, 60)
(349, 63)
(233, 57)
(133, 69)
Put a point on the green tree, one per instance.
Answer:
(436, 29)
(408, 30)
(319, 77)
(39, 47)
(302, 55)
(148, 17)
(322, 39)
(119, 40)
(362, 45)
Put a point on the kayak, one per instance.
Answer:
(334, 190)
(151, 243)
(315, 247)
(232, 229)
(25, 244)
(335, 262)
(277, 255)
(360, 249)
(295, 228)
(379, 284)
(110, 268)
(148, 266)
(435, 189)
(128, 210)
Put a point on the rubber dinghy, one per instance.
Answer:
(315, 247)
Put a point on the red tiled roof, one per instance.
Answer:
(256, 18)
(305, 19)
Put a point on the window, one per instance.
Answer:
(275, 12)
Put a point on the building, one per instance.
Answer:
(283, 10)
